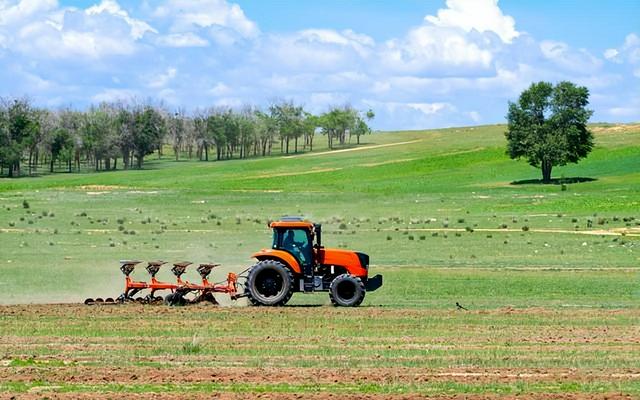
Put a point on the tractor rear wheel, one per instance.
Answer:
(269, 283)
(346, 291)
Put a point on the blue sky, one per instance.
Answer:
(417, 64)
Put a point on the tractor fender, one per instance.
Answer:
(279, 255)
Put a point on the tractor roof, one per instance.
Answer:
(292, 223)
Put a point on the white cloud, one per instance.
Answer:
(481, 15)
(440, 51)
(220, 89)
(315, 50)
(186, 15)
(12, 12)
(162, 80)
(138, 27)
(629, 51)
(187, 39)
(564, 56)
(611, 54)
(42, 30)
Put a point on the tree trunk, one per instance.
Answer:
(546, 171)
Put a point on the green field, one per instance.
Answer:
(439, 201)
(550, 273)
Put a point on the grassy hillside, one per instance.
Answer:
(426, 201)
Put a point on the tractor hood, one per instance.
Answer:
(356, 263)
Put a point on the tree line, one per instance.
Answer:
(116, 135)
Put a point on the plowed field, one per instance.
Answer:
(143, 351)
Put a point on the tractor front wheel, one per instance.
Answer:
(346, 291)
(269, 283)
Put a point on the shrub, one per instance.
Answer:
(525, 228)
(469, 229)
(503, 226)
(410, 237)
(388, 237)
(192, 347)
(342, 226)
(461, 220)
(25, 204)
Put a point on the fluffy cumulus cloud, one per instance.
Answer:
(458, 66)
(479, 15)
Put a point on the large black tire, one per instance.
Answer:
(269, 283)
(346, 291)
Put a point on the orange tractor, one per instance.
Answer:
(296, 262)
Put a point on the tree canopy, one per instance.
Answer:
(96, 138)
(548, 126)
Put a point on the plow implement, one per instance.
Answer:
(179, 290)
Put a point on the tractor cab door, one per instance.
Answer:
(297, 242)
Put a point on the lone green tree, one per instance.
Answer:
(548, 126)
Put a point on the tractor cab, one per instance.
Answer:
(296, 236)
(296, 241)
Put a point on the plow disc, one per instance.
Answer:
(203, 291)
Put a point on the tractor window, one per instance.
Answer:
(296, 241)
